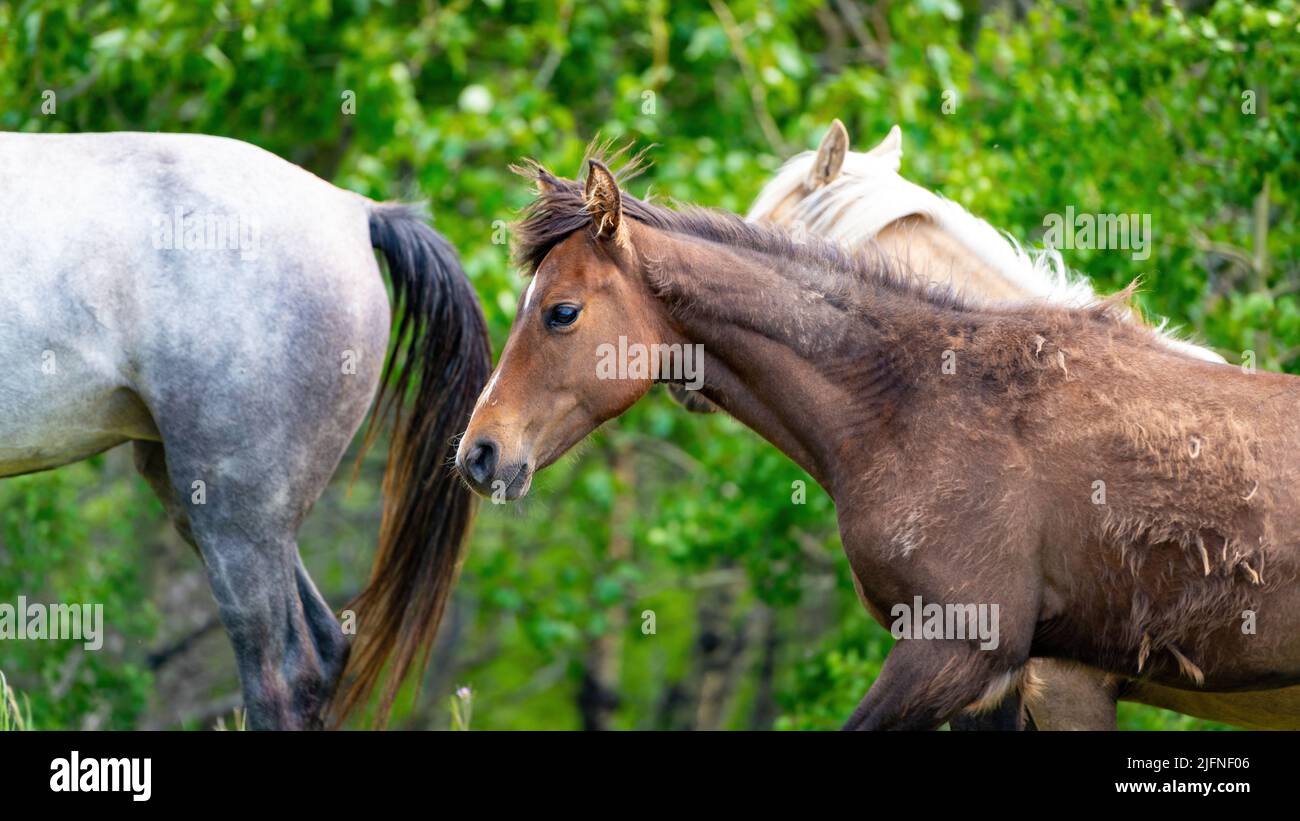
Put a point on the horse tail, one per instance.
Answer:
(442, 355)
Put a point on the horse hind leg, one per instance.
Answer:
(315, 649)
(330, 646)
(239, 492)
(151, 463)
(288, 646)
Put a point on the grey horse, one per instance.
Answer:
(224, 311)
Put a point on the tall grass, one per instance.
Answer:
(12, 717)
(238, 721)
(462, 707)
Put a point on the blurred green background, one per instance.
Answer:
(1109, 107)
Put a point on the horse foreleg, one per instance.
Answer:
(1072, 697)
(1009, 715)
(924, 683)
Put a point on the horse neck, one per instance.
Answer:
(946, 244)
(919, 245)
(810, 359)
(934, 237)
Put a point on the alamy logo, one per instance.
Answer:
(946, 621)
(198, 231)
(77, 774)
(75, 622)
(661, 362)
(1129, 232)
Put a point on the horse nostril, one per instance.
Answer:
(482, 461)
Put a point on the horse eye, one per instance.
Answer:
(562, 315)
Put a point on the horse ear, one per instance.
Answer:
(892, 145)
(546, 182)
(604, 202)
(830, 156)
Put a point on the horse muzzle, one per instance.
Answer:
(483, 468)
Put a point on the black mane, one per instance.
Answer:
(561, 208)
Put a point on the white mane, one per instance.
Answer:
(869, 194)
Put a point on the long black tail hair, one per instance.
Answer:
(442, 354)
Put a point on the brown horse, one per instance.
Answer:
(860, 199)
(1108, 499)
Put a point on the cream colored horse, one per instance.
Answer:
(860, 199)
(857, 198)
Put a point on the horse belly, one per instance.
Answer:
(43, 426)
(18, 460)
(1257, 709)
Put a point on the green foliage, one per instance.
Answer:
(70, 536)
(1129, 107)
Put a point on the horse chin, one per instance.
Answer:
(520, 487)
(516, 488)
(506, 486)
